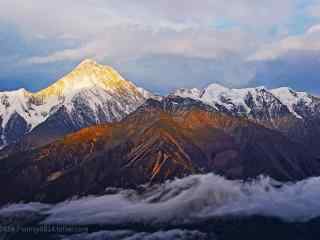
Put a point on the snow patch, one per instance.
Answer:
(291, 98)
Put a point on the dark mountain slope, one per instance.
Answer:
(159, 141)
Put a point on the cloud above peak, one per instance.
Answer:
(113, 44)
(310, 41)
(49, 34)
(113, 29)
(85, 19)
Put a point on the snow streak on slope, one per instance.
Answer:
(185, 201)
(291, 98)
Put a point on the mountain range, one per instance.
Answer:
(93, 129)
(294, 114)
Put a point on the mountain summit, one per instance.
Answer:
(89, 74)
(90, 94)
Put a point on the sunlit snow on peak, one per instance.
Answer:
(88, 74)
(93, 86)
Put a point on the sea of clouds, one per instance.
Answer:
(184, 201)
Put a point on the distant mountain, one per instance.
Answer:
(295, 114)
(90, 94)
(161, 140)
(257, 103)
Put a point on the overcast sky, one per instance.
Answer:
(163, 44)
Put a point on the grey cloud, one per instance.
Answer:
(130, 42)
(314, 10)
(131, 28)
(308, 41)
(299, 70)
(161, 44)
(84, 20)
(189, 11)
(164, 73)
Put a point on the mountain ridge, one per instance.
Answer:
(161, 140)
(219, 94)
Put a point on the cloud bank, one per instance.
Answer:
(42, 40)
(190, 200)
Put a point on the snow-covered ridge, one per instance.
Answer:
(246, 100)
(291, 99)
(99, 89)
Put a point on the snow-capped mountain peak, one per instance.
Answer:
(87, 62)
(88, 74)
(217, 87)
(91, 93)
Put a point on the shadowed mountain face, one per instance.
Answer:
(160, 140)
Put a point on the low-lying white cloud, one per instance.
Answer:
(131, 235)
(182, 201)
